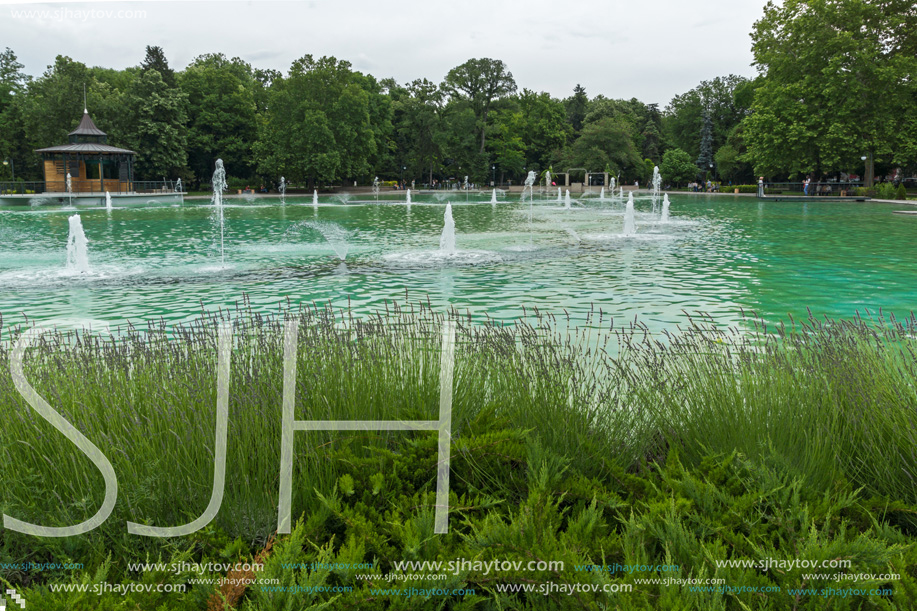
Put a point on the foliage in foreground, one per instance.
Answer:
(599, 445)
(542, 509)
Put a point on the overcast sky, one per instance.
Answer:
(651, 50)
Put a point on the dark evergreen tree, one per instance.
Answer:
(705, 159)
(156, 60)
(577, 105)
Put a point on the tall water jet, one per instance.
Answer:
(547, 179)
(602, 193)
(560, 196)
(612, 186)
(283, 190)
(567, 202)
(178, 186)
(315, 198)
(69, 189)
(408, 197)
(376, 188)
(657, 185)
(77, 247)
(447, 238)
(665, 209)
(621, 193)
(219, 185)
(529, 185)
(108, 201)
(493, 197)
(630, 225)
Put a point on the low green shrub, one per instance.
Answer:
(901, 192)
(886, 190)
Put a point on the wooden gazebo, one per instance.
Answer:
(94, 166)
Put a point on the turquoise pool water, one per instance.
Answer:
(718, 255)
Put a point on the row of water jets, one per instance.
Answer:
(77, 244)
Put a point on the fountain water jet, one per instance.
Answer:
(408, 197)
(334, 234)
(70, 189)
(612, 186)
(77, 247)
(447, 255)
(283, 190)
(657, 184)
(567, 202)
(630, 225)
(602, 193)
(665, 209)
(493, 197)
(178, 186)
(108, 201)
(447, 238)
(219, 185)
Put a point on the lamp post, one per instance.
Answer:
(12, 165)
(868, 169)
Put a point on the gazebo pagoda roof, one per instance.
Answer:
(87, 127)
(87, 148)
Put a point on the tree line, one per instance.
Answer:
(837, 82)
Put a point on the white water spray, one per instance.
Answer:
(219, 185)
(447, 238)
(630, 225)
(77, 247)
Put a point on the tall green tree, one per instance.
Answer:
(221, 112)
(319, 126)
(839, 79)
(606, 144)
(724, 100)
(576, 107)
(155, 59)
(418, 122)
(479, 83)
(158, 126)
(705, 157)
(12, 79)
(677, 166)
(13, 83)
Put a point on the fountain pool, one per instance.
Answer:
(721, 255)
